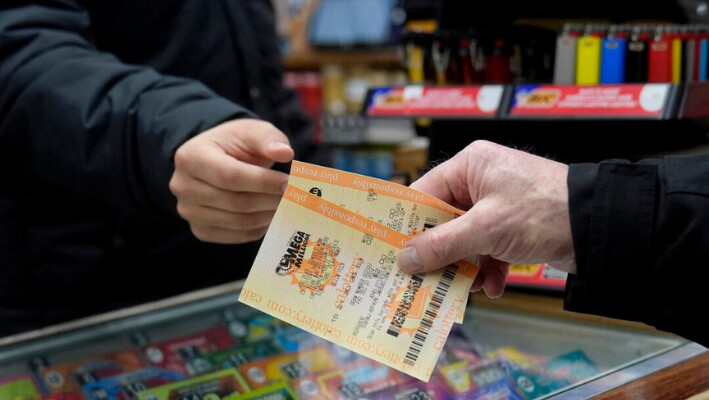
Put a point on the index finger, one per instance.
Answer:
(228, 173)
(445, 183)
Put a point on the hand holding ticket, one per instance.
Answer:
(332, 271)
(398, 207)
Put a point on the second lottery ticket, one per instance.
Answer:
(398, 207)
(332, 272)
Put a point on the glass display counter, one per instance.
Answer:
(207, 346)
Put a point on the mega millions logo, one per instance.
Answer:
(311, 265)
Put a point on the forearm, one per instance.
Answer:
(88, 121)
(641, 238)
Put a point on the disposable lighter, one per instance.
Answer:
(414, 60)
(565, 56)
(440, 54)
(690, 56)
(703, 55)
(498, 64)
(588, 59)
(697, 53)
(659, 58)
(471, 60)
(636, 57)
(613, 58)
(676, 37)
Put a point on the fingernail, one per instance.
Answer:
(284, 187)
(409, 260)
(280, 145)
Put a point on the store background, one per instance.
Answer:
(334, 51)
(522, 346)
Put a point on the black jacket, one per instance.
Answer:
(95, 97)
(641, 237)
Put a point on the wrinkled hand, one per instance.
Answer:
(224, 186)
(518, 214)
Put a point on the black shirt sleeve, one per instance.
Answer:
(641, 237)
(86, 120)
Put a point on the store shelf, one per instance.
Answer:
(312, 58)
(649, 101)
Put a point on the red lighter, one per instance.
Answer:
(660, 58)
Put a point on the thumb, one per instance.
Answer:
(261, 143)
(439, 246)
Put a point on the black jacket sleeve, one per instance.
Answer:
(86, 120)
(641, 237)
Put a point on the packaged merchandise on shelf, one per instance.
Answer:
(565, 57)
(588, 56)
(660, 57)
(70, 376)
(216, 385)
(613, 49)
(333, 100)
(632, 53)
(636, 67)
(438, 56)
(309, 86)
(583, 54)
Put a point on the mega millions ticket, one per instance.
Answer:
(398, 207)
(332, 272)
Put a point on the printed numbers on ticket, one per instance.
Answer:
(332, 272)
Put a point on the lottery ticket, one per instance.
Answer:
(126, 386)
(70, 376)
(184, 355)
(431, 390)
(350, 381)
(277, 391)
(398, 207)
(216, 385)
(238, 356)
(64, 396)
(574, 366)
(21, 387)
(285, 367)
(332, 272)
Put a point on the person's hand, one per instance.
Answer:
(224, 186)
(518, 214)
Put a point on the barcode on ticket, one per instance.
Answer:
(430, 315)
(430, 223)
